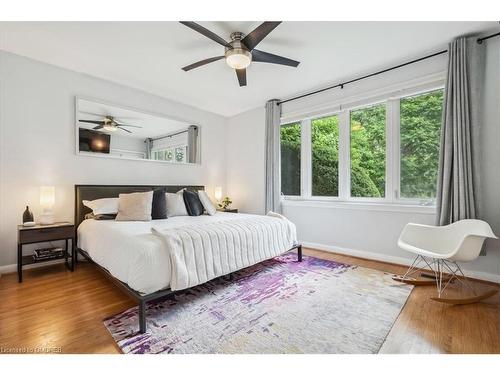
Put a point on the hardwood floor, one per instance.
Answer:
(59, 311)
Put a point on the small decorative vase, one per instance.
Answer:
(27, 215)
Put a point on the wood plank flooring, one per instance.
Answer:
(55, 310)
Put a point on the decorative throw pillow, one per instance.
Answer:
(102, 206)
(159, 208)
(135, 206)
(175, 204)
(206, 202)
(193, 204)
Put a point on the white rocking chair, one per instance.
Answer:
(440, 248)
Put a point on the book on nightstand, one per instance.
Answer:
(48, 253)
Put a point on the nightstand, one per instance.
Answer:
(45, 233)
(233, 210)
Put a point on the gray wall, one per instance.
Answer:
(37, 142)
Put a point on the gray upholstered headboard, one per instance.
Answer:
(90, 192)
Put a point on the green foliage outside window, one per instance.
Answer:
(325, 156)
(290, 159)
(419, 141)
(420, 130)
(368, 152)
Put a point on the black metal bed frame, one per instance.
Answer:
(90, 192)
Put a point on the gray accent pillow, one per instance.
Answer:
(135, 206)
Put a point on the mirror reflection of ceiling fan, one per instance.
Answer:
(109, 124)
(240, 51)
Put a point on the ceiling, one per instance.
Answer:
(149, 55)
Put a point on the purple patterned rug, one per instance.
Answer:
(277, 306)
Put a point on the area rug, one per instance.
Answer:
(278, 306)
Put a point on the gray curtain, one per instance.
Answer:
(149, 146)
(273, 184)
(458, 179)
(192, 149)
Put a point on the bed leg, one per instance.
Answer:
(299, 253)
(142, 316)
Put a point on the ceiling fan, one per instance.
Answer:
(240, 51)
(110, 124)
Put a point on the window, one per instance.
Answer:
(290, 158)
(325, 156)
(386, 152)
(420, 127)
(168, 154)
(368, 152)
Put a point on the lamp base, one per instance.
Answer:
(47, 218)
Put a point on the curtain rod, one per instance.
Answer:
(341, 85)
(170, 135)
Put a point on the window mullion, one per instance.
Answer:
(305, 157)
(389, 151)
(396, 149)
(344, 156)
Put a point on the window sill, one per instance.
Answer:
(366, 206)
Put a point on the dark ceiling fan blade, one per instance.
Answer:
(92, 122)
(98, 127)
(206, 32)
(265, 57)
(132, 126)
(202, 62)
(119, 127)
(256, 36)
(242, 76)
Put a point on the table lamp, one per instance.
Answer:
(47, 200)
(218, 193)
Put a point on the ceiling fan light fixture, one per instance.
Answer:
(109, 127)
(238, 58)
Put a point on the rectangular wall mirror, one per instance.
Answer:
(108, 130)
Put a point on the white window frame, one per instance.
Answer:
(391, 99)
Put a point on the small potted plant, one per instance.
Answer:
(225, 204)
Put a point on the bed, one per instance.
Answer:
(136, 257)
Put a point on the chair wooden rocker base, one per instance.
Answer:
(442, 280)
(439, 249)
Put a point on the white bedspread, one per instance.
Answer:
(133, 254)
(201, 252)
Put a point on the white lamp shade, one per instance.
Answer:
(218, 193)
(47, 196)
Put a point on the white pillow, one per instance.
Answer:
(206, 202)
(175, 204)
(102, 206)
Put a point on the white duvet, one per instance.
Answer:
(203, 251)
(134, 255)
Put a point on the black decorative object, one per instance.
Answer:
(27, 215)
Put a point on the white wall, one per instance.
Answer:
(246, 161)
(367, 233)
(121, 142)
(37, 142)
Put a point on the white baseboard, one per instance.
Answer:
(392, 259)
(11, 268)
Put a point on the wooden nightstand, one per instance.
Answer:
(45, 233)
(233, 210)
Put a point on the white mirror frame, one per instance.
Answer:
(108, 156)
